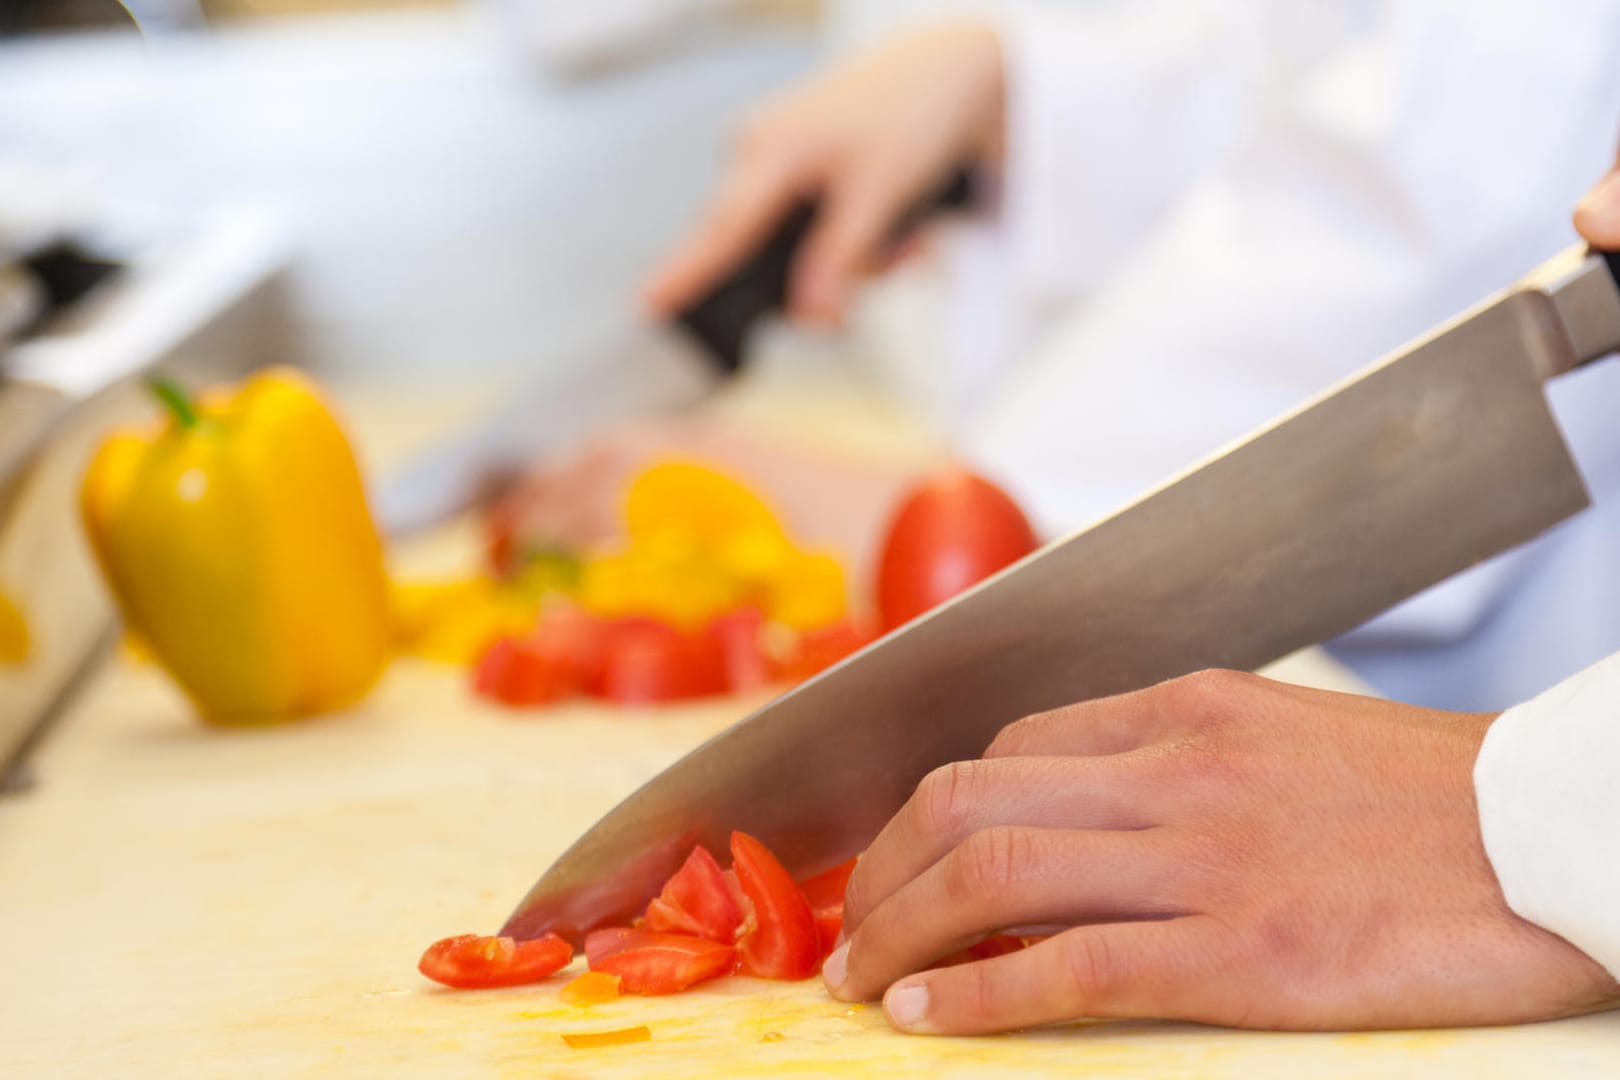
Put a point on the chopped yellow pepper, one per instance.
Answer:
(16, 643)
(237, 540)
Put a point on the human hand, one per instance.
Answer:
(1597, 216)
(1219, 848)
(868, 139)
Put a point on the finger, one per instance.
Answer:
(1007, 877)
(1597, 216)
(1169, 970)
(760, 189)
(955, 801)
(1124, 722)
(849, 236)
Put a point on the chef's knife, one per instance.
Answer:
(1431, 460)
(652, 369)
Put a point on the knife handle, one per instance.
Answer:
(722, 320)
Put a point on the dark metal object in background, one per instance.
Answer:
(1434, 459)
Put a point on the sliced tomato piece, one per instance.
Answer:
(698, 901)
(825, 895)
(818, 650)
(603, 943)
(652, 963)
(648, 662)
(737, 637)
(783, 943)
(476, 962)
(991, 947)
(515, 671)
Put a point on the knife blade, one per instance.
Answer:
(1435, 458)
(650, 369)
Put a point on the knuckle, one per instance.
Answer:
(1207, 697)
(989, 864)
(1014, 739)
(1089, 964)
(945, 797)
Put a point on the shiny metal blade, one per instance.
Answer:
(1422, 465)
(651, 370)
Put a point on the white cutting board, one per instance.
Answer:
(180, 902)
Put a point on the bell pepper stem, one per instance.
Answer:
(175, 399)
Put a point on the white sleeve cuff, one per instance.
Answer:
(1548, 784)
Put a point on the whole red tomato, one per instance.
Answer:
(952, 531)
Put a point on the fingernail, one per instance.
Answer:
(907, 1006)
(834, 969)
(1603, 201)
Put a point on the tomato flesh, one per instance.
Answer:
(652, 963)
(736, 636)
(648, 662)
(951, 532)
(818, 650)
(825, 895)
(476, 962)
(783, 942)
(697, 901)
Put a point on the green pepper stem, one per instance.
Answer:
(175, 399)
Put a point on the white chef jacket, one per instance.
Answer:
(1212, 210)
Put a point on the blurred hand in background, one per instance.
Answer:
(866, 139)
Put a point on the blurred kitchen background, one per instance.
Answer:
(454, 186)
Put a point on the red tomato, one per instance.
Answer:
(600, 944)
(825, 895)
(475, 962)
(697, 901)
(782, 943)
(653, 963)
(514, 671)
(565, 655)
(736, 634)
(647, 662)
(952, 531)
(818, 650)
(991, 947)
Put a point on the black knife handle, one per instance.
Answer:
(721, 321)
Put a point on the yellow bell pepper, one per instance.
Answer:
(237, 540)
(16, 643)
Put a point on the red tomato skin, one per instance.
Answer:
(952, 531)
(648, 662)
(991, 947)
(736, 636)
(783, 943)
(697, 900)
(477, 962)
(652, 963)
(818, 650)
(602, 943)
(520, 672)
(825, 895)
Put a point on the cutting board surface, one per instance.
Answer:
(182, 902)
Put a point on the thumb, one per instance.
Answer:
(1597, 215)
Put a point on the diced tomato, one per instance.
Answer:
(783, 943)
(825, 895)
(514, 671)
(603, 943)
(475, 962)
(742, 656)
(698, 901)
(991, 947)
(818, 650)
(653, 963)
(649, 662)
